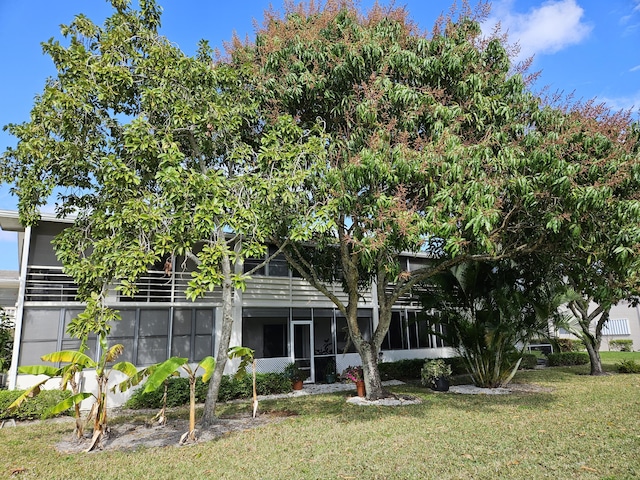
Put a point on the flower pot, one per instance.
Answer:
(440, 384)
(360, 388)
(297, 384)
(331, 378)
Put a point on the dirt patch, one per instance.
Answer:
(141, 434)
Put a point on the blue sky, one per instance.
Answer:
(589, 47)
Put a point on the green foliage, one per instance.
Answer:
(564, 359)
(485, 310)
(410, 369)
(628, 366)
(434, 369)
(231, 388)
(569, 345)
(622, 345)
(39, 407)
(529, 361)
(294, 373)
(6, 341)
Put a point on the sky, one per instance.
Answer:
(585, 47)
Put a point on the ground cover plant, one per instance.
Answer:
(523, 435)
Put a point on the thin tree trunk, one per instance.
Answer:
(209, 417)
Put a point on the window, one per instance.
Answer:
(616, 326)
(408, 331)
(192, 333)
(277, 266)
(265, 331)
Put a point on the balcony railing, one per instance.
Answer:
(50, 284)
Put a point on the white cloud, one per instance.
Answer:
(551, 27)
(635, 69)
(631, 102)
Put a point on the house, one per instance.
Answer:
(279, 315)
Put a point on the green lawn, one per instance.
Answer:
(583, 428)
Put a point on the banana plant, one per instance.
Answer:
(136, 379)
(76, 362)
(169, 367)
(71, 376)
(246, 356)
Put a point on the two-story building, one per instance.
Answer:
(279, 315)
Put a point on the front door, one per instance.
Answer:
(302, 337)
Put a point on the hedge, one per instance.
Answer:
(564, 359)
(529, 361)
(628, 366)
(33, 408)
(230, 389)
(622, 345)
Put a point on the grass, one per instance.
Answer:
(585, 427)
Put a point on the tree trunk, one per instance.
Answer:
(209, 417)
(594, 355)
(372, 381)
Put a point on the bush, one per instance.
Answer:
(628, 366)
(230, 389)
(622, 345)
(34, 408)
(569, 345)
(564, 359)
(529, 361)
(410, 369)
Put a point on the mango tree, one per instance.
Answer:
(436, 147)
(156, 155)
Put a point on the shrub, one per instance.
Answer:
(529, 361)
(628, 366)
(564, 359)
(622, 345)
(230, 389)
(34, 408)
(410, 369)
(569, 345)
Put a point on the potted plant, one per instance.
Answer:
(296, 375)
(355, 375)
(330, 371)
(436, 375)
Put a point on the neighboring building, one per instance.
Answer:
(623, 324)
(279, 315)
(9, 286)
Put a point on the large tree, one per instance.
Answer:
(156, 155)
(434, 143)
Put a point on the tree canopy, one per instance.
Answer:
(436, 145)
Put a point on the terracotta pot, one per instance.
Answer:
(360, 388)
(297, 385)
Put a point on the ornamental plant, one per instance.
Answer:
(434, 369)
(353, 374)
